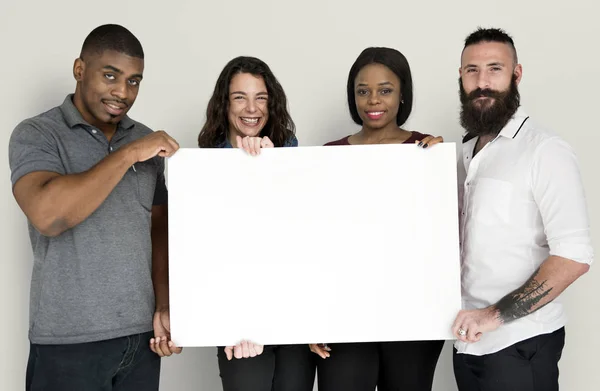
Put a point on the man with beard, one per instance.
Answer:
(90, 181)
(524, 229)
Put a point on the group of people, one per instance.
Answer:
(90, 181)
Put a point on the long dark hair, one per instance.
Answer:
(279, 127)
(398, 64)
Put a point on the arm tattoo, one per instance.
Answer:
(520, 302)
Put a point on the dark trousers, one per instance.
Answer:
(121, 364)
(389, 366)
(530, 365)
(278, 368)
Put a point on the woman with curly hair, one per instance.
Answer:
(248, 105)
(248, 110)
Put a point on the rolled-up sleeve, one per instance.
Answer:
(558, 191)
(31, 149)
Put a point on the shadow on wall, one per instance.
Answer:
(444, 372)
(195, 369)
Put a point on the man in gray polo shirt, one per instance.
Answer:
(90, 181)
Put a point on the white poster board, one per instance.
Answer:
(313, 244)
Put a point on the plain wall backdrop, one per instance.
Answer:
(310, 46)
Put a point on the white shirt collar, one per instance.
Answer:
(512, 128)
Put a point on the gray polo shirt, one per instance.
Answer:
(93, 282)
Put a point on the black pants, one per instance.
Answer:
(389, 366)
(530, 365)
(121, 364)
(278, 368)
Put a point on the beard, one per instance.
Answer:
(488, 118)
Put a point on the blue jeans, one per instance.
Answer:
(121, 364)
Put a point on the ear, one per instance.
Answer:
(460, 71)
(78, 69)
(519, 73)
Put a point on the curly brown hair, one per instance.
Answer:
(279, 127)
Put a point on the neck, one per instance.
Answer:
(391, 131)
(232, 137)
(482, 141)
(108, 130)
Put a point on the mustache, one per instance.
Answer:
(487, 93)
(488, 119)
(117, 102)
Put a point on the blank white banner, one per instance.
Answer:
(313, 244)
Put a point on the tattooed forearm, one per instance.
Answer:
(524, 300)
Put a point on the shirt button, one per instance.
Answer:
(111, 148)
(94, 131)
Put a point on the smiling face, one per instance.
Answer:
(248, 111)
(377, 96)
(107, 86)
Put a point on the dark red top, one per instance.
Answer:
(415, 136)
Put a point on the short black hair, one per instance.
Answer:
(398, 64)
(111, 37)
(491, 35)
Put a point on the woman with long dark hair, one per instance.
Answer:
(248, 110)
(380, 98)
(248, 102)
